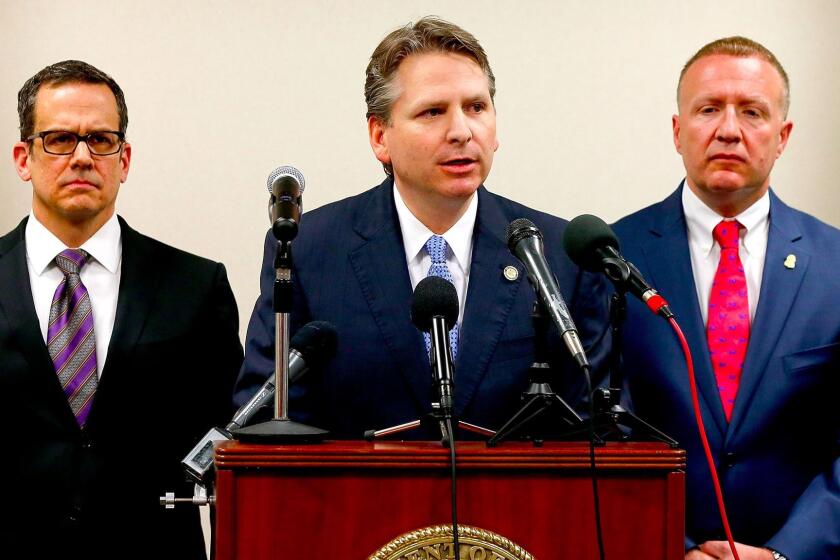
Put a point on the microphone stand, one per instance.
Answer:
(541, 401)
(613, 421)
(440, 418)
(281, 429)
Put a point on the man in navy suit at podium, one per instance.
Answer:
(755, 286)
(432, 124)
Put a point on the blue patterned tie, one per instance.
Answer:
(436, 248)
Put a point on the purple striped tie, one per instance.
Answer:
(70, 338)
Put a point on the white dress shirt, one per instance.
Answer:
(100, 275)
(705, 252)
(458, 257)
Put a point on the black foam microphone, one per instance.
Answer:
(525, 242)
(593, 246)
(286, 186)
(434, 309)
(312, 346)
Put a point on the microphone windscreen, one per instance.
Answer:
(518, 230)
(584, 236)
(316, 342)
(433, 297)
(286, 172)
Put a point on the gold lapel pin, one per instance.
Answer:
(790, 261)
(511, 273)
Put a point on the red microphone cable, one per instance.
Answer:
(708, 451)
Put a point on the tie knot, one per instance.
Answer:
(71, 261)
(727, 234)
(436, 247)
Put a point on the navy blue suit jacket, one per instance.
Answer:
(350, 269)
(778, 458)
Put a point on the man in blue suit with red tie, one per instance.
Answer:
(754, 285)
(432, 124)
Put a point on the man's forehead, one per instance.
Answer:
(755, 76)
(63, 100)
(440, 73)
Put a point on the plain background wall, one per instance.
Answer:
(222, 92)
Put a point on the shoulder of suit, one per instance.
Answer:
(514, 210)
(348, 205)
(811, 225)
(160, 253)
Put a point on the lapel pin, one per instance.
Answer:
(511, 273)
(790, 261)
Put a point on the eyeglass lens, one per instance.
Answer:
(99, 143)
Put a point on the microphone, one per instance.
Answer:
(525, 242)
(434, 309)
(286, 186)
(593, 246)
(311, 347)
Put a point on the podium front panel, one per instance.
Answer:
(349, 499)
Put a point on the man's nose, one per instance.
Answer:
(81, 156)
(729, 128)
(459, 128)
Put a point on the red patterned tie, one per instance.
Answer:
(728, 328)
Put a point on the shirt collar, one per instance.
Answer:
(701, 220)
(458, 237)
(42, 245)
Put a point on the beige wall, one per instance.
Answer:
(220, 93)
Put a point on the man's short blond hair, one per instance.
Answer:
(745, 48)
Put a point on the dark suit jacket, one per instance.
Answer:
(350, 269)
(778, 458)
(172, 359)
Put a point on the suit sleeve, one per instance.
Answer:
(812, 530)
(259, 340)
(590, 311)
(223, 348)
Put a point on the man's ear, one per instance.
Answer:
(378, 139)
(22, 157)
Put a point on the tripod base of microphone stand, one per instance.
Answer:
(280, 431)
(614, 423)
(430, 422)
(542, 407)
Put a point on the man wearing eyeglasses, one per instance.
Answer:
(116, 351)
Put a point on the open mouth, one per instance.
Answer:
(459, 164)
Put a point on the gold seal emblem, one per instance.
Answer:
(511, 273)
(435, 543)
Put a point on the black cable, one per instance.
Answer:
(451, 437)
(592, 468)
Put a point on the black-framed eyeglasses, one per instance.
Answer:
(64, 142)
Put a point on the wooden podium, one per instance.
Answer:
(347, 500)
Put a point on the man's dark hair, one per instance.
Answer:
(65, 72)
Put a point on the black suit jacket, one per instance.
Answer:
(172, 359)
(350, 269)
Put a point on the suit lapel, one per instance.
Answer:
(489, 299)
(380, 268)
(17, 305)
(669, 261)
(139, 277)
(779, 288)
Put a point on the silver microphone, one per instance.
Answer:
(285, 184)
